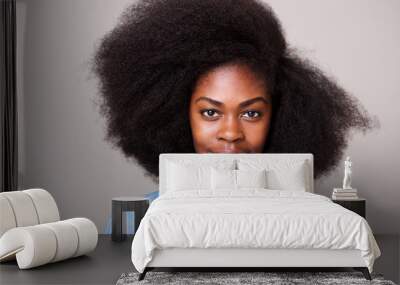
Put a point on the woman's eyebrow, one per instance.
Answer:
(253, 100)
(241, 105)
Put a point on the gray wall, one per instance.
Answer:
(62, 147)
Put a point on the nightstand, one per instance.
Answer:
(357, 205)
(138, 205)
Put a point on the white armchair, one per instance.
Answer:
(31, 230)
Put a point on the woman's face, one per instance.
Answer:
(230, 111)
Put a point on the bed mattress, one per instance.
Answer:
(250, 219)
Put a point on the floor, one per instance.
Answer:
(111, 259)
(102, 266)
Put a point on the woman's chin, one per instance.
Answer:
(228, 151)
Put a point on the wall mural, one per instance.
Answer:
(207, 76)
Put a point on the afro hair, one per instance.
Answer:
(149, 63)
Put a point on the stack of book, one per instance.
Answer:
(344, 194)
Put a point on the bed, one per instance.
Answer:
(245, 211)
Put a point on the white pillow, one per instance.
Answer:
(227, 179)
(223, 179)
(251, 178)
(282, 174)
(293, 179)
(187, 177)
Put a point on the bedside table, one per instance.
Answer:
(357, 205)
(139, 205)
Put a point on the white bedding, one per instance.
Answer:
(250, 218)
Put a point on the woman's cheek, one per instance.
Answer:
(256, 134)
(203, 133)
(208, 130)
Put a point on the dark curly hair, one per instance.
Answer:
(149, 63)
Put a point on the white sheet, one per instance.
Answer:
(251, 218)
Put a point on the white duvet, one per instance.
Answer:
(251, 218)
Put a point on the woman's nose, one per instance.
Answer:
(230, 130)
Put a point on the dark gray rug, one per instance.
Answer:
(228, 278)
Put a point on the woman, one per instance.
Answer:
(217, 76)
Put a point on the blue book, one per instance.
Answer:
(152, 196)
(130, 222)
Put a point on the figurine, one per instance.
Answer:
(347, 174)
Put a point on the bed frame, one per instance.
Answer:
(242, 259)
(249, 259)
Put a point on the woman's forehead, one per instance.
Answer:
(230, 84)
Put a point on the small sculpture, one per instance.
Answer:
(347, 174)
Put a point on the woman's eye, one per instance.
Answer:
(252, 114)
(209, 113)
(212, 113)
